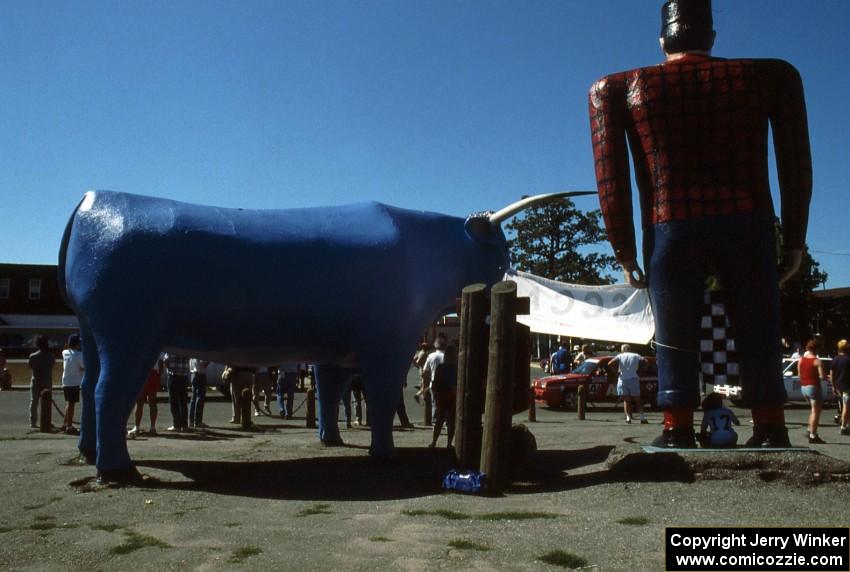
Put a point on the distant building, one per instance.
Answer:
(30, 304)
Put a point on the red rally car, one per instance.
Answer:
(560, 391)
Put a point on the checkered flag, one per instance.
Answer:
(718, 357)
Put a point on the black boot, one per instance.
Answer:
(769, 436)
(676, 438)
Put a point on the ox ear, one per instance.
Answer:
(480, 229)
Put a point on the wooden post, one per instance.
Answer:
(501, 369)
(581, 400)
(245, 406)
(471, 372)
(45, 420)
(311, 408)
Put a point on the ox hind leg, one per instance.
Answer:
(87, 443)
(384, 376)
(125, 364)
(330, 382)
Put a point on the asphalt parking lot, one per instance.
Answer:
(227, 498)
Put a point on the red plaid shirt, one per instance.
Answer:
(697, 128)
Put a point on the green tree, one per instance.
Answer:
(799, 308)
(547, 239)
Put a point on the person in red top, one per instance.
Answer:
(811, 374)
(697, 127)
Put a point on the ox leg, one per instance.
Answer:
(124, 368)
(384, 379)
(91, 362)
(330, 382)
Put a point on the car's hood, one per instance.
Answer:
(564, 378)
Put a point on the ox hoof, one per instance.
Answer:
(88, 457)
(126, 476)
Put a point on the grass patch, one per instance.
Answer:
(516, 515)
(447, 514)
(468, 545)
(315, 509)
(379, 539)
(42, 526)
(242, 553)
(42, 505)
(105, 527)
(563, 559)
(634, 520)
(43, 517)
(231, 524)
(5, 529)
(136, 541)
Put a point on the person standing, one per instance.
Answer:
(198, 379)
(177, 368)
(41, 363)
(262, 385)
(697, 128)
(840, 372)
(444, 387)
(72, 377)
(561, 360)
(287, 379)
(435, 358)
(585, 353)
(628, 382)
(811, 374)
(148, 395)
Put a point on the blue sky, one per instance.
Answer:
(448, 106)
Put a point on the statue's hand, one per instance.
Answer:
(634, 275)
(793, 260)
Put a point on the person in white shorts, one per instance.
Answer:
(628, 384)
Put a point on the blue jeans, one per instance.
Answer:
(741, 250)
(178, 399)
(286, 393)
(199, 396)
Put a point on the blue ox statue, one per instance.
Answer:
(346, 288)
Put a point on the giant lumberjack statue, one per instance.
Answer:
(697, 127)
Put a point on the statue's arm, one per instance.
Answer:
(607, 107)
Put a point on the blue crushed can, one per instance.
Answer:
(464, 482)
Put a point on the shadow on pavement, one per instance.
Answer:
(414, 473)
(548, 473)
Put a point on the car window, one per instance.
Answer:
(792, 367)
(586, 368)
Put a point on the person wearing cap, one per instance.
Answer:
(72, 377)
(697, 128)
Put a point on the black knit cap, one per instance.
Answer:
(687, 24)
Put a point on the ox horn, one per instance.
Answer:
(502, 215)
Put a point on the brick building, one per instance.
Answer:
(30, 304)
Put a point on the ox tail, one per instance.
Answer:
(63, 253)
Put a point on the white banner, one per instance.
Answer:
(617, 313)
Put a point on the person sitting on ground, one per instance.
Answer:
(72, 377)
(716, 428)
